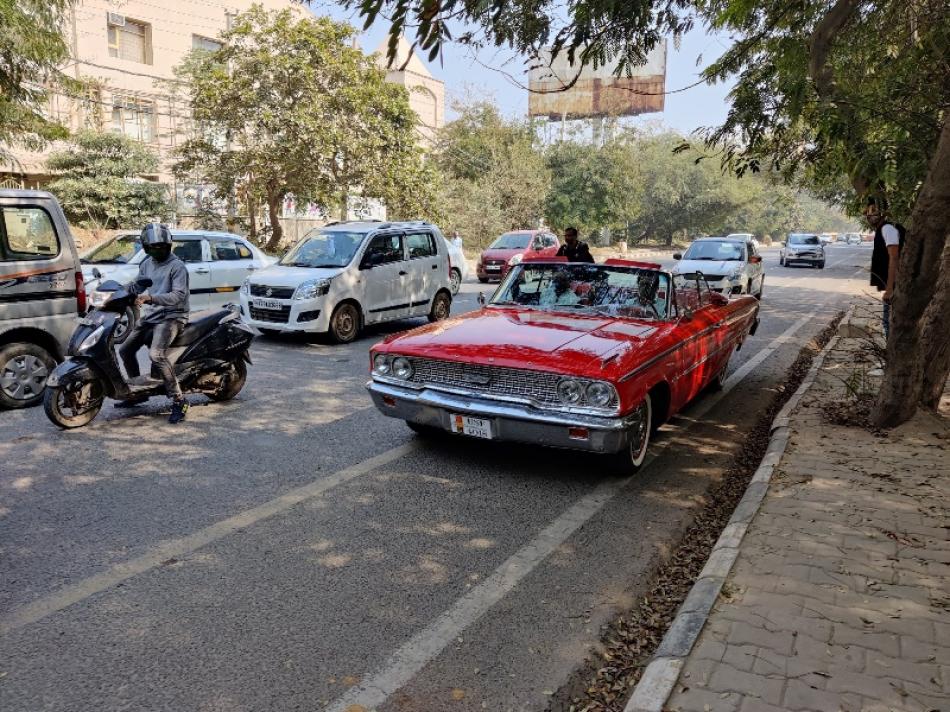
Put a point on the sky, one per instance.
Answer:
(484, 75)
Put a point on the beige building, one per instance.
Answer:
(426, 93)
(130, 47)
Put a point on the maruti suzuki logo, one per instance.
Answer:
(269, 292)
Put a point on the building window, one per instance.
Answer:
(203, 43)
(134, 117)
(130, 40)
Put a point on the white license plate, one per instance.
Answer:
(467, 425)
(266, 303)
(493, 268)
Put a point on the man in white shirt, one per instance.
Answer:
(456, 239)
(888, 240)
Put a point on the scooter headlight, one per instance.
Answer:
(91, 340)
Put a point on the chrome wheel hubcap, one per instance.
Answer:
(638, 436)
(23, 377)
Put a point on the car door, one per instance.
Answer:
(193, 251)
(231, 263)
(424, 263)
(695, 332)
(384, 278)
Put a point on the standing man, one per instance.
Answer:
(456, 239)
(574, 249)
(168, 313)
(888, 241)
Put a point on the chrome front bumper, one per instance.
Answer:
(509, 421)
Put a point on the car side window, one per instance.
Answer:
(27, 234)
(420, 244)
(384, 249)
(187, 250)
(229, 250)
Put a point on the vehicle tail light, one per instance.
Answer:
(80, 293)
(578, 433)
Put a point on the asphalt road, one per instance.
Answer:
(295, 550)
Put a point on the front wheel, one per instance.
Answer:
(345, 323)
(455, 278)
(483, 280)
(821, 265)
(125, 325)
(441, 307)
(758, 295)
(632, 457)
(231, 383)
(73, 405)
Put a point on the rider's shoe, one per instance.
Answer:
(131, 402)
(179, 409)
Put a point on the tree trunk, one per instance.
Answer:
(913, 333)
(344, 205)
(935, 338)
(251, 215)
(274, 200)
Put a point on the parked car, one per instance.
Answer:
(827, 237)
(41, 293)
(344, 276)
(509, 249)
(730, 265)
(459, 266)
(853, 238)
(747, 236)
(580, 356)
(802, 248)
(217, 262)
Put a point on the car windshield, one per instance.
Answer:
(511, 241)
(715, 250)
(324, 248)
(118, 250)
(587, 288)
(803, 240)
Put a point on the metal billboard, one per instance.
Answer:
(597, 92)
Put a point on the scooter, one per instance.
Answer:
(210, 356)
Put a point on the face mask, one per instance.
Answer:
(159, 253)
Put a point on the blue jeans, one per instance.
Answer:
(886, 318)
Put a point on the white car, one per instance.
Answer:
(748, 236)
(217, 262)
(346, 275)
(730, 265)
(459, 266)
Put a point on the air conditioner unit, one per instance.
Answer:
(116, 20)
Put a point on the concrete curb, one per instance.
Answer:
(662, 672)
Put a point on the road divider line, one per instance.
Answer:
(179, 548)
(428, 643)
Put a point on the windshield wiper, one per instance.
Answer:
(700, 258)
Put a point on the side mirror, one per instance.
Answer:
(677, 255)
(783, 243)
(687, 314)
(144, 282)
(96, 273)
(370, 261)
(481, 298)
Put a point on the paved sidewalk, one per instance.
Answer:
(840, 596)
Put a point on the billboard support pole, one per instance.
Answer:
(563, 120)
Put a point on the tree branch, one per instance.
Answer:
(822, 41)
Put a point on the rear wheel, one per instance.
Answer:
(441, 307)
(345, 323)
(483, 280)
(455, 278)
(24, 368)
(73, 405)
(231, 383)
(632, 457)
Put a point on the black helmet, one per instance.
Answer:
(157, 241)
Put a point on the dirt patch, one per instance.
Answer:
(607, 681)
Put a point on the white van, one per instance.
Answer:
(346, 275)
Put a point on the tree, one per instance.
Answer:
(288, 106)
(99, 181)
(494, 174)
(823, 90)
(32, 50)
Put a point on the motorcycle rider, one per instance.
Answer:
(164, 318)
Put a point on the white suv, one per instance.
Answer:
(346, 275)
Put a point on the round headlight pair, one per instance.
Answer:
(400, 367)
(572, 392)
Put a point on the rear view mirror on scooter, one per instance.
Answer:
(143, 283)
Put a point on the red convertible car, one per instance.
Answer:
(583, 356)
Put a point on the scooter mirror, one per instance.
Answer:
(110, 285)
(143, 283)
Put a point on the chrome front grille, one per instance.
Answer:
(514, 383)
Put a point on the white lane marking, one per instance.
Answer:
(177, 548)
(428, 643)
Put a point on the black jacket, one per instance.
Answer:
(579, 252)
(880, 260)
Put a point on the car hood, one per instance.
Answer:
(121, 273)
(502, 254)
(719, 267)
(589, 346)
(286, 276)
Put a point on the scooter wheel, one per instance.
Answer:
(232, 383)
(73, 406)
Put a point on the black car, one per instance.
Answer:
(802, 248)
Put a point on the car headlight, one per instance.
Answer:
(599, 394)
(382, 364)
(515, 260)
(569, 390)
(313, 288)
(402, 368)
(246, 286)
(91, 340)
